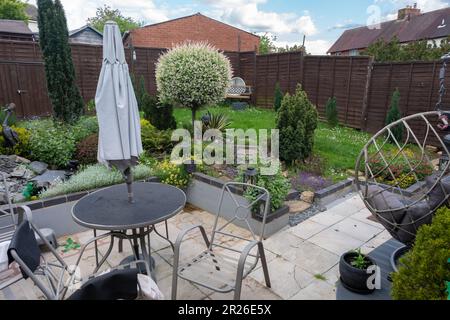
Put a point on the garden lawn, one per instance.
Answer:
(338, 147)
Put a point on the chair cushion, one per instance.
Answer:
(115, 285)
(439, 193)
(26, 246)
(416, 216)
(383, 200)
(404, 220)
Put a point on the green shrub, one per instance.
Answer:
(53, 144)
(90, 107)
(425, 271)
(278, 99)
(277, 185)
(297, 120)
(332, 112)
(20, 149)
(87, 150)
(193, 75)
(84, 128)
(139, 89)
(159, 115)
(393, 116)
(94, 177)
(154, 140)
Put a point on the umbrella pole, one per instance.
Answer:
(129, 181)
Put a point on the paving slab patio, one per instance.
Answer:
(303, 260)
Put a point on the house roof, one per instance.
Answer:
(430, 25)
(197, 14)
(76, 31)
(31, 12)
(14, 26)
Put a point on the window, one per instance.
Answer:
(354, 53)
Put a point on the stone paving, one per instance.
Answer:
(303, 260)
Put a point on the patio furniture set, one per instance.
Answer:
(219, 268)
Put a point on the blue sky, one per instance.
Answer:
(322, 21)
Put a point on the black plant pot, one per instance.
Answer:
(352, 278)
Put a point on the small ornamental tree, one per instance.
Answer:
(297, 120)
(66, 100)
(332, 112)
(278, 97)
(193, 75)
(393, 116)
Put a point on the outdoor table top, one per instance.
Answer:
(109, 209)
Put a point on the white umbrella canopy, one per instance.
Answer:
(119, 142)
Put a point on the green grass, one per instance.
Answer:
(338, 147)
(252, 118)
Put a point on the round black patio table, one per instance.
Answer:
(109, 210)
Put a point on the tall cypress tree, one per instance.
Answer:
(60, 73)
(394, 115)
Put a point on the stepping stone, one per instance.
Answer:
(50, 177)
(38, 167)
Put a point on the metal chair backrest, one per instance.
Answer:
(25, 251)
(242, 209)
(8, 221)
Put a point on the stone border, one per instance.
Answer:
(409, 192)
(218, 183)
(50, 202)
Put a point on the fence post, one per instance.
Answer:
(365, 106)
(432, 86)
(349, 86)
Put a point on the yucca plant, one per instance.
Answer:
(218, 121)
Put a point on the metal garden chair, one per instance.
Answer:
(54, 279)
(222, 268)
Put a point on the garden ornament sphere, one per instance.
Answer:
(399, 181)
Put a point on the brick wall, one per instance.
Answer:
(193, 28)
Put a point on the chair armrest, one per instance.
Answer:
(243, 258)
(181, 236)
(188, 230)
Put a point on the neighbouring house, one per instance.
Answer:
(194, 28)
(16, 30)
(411, 25)
(32, 13)
(86, 35)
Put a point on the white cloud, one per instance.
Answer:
(78, 11)
(247, 14)
(315, 47)
(423, 5)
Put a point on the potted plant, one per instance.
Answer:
(353, 268)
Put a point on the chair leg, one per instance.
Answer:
(174, 285)
(237, 290)
(262, 255)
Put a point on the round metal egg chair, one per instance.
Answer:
(398, 179)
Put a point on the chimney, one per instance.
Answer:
(408, 12)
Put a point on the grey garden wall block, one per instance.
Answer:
(58, 218)
(206, 197)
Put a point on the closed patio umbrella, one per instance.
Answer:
(119, 142)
